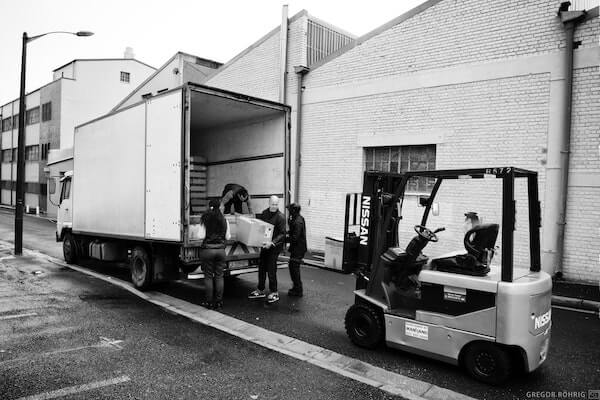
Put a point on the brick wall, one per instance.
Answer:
(489, 122)
(454, 32)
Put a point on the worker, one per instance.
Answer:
(269, 253)
(235, 195)
(471, 221)
(214, 228)
(297, 240)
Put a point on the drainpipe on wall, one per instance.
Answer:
(283, 45)
(300, 71)
(559, 141)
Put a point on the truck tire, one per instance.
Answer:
(141, 268)
(364, 325)
(487, 362)
(70, 248)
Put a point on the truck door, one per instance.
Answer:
(65, 216)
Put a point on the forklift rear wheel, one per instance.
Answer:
(364, 325)
(487, 362)
(141, 268)
(70, 248)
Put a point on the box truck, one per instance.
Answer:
(143, 175)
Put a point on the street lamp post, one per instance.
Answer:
(20, 193)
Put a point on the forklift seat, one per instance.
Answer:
(479, 243)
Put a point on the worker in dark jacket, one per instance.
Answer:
(235, 195)
(215, 230)
(270, 252)
(297, 239)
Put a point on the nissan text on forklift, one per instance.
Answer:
(465, 307)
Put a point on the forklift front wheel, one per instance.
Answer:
(487, 362)
(364, 325)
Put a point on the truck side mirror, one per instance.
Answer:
(435, 209)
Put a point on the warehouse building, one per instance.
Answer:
(449, 84)
(80, 90)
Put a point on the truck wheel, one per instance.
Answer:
(364, 325)
(70, 248)
(141, 268)
(487, 362)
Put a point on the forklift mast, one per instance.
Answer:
(371, 217)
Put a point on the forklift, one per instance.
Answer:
(462, 308)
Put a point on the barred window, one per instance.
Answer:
(6, 124)
(32, 116)
(399, 159)
(32, 153)
(47, 111)
(125, 77)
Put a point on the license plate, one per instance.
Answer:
(238, 264)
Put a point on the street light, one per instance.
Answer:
(20, 195)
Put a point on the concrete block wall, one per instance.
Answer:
(477, 74)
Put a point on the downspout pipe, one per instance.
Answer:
(300, 71)
(559, 142)
(283, 46)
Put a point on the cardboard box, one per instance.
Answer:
(232, 219)
(253, 232)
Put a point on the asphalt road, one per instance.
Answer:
(64, 332)
(573, 364)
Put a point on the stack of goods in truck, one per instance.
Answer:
(198, 192)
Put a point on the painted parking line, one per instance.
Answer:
(349, 367)
(14, 316)
(67, 391)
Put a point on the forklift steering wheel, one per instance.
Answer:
(426, 233)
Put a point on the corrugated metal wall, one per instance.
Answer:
(583, 4)
(322, 41)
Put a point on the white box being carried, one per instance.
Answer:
(144, 174)
(253, 232)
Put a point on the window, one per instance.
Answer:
(6, 124)
(32, 116)
(47, 111)
(15, 122)
(401, 159)
(125, 77)
(45, 150)
(15, 154)
(32, 153)
(66, 190)
(7, 155)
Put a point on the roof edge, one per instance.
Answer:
(254, 45)
(403, 17)
(162, 67)
(103, 59)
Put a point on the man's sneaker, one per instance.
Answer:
(295, 292)
(273, 297)
(257, 294)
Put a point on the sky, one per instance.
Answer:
(157, 29)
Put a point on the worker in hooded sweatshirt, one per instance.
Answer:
(235, 195)
(297, 239)
(270, 252)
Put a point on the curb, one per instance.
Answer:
(12, 208)
(579, 304)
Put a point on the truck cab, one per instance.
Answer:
(64, 220)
